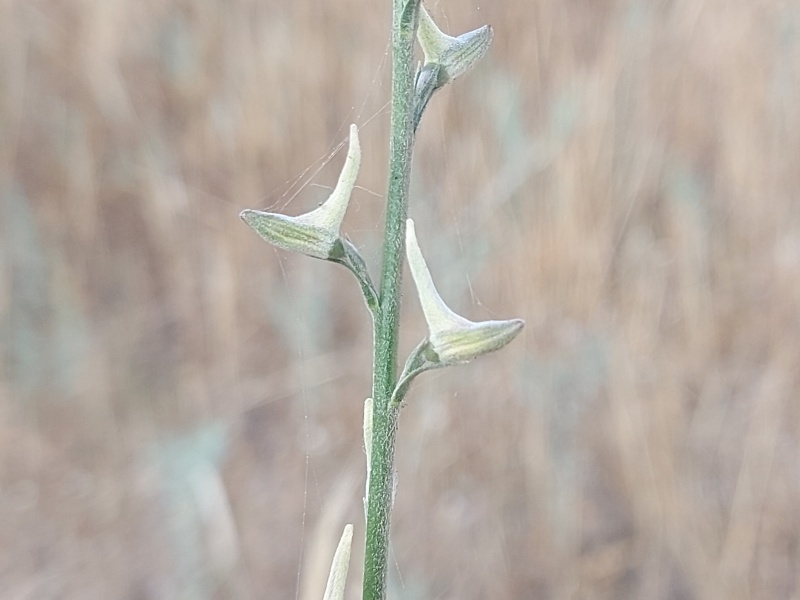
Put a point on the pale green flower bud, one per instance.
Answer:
(315, 233)
(455, 55)
(446, 57)
(341, 563)
(452, 338)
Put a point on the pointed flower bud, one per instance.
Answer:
(452, 338)
(455, 55)
(334, 590)
(315, 233)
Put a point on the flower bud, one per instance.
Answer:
(456, 55)
(452, 338)
(315, 233)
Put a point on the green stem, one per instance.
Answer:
(384, 424)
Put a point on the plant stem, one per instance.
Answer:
(384, 424)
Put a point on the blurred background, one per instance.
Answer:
(180, 404)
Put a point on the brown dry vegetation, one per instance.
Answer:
(180, 405)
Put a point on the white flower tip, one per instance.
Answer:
(331, 213)
(353, 162)
(432, 39)
(334, 590)
(437, 313)
(410, 233)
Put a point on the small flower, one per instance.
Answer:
(315, 233)
(452, 338)
(455, 55)
(446, 57)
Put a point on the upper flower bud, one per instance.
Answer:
(453, 338)
(315, 233)
(454, 55)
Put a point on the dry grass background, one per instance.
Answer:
(180, 405)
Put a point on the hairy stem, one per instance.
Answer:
(384, 426)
